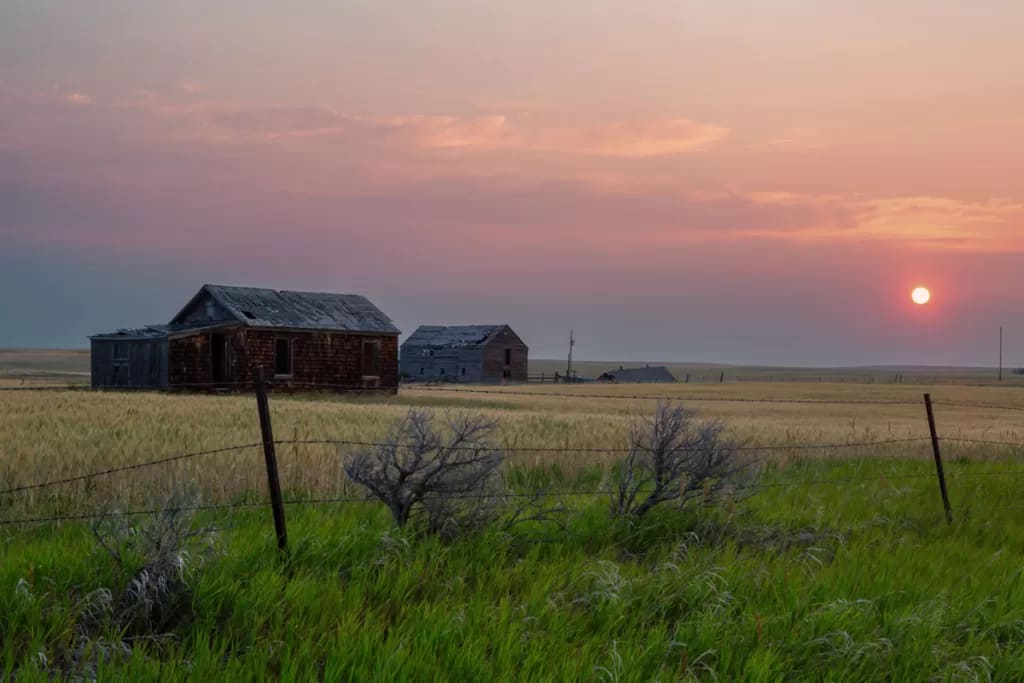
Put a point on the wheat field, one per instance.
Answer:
(52, 434)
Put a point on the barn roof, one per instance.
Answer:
(452, 336)
(648, 374)
(257, 307)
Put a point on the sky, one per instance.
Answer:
(728, 181)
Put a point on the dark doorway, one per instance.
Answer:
(218, 357)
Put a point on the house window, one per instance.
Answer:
(508, 356)
(371, 358)
(282, 356)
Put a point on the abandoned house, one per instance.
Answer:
(646, 374)
(300, 339)
(464, 353)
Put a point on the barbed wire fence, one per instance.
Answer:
(763, 454)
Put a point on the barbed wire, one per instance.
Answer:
(125, 468)
(762, 448)
(624, 449)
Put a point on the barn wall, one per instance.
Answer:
(328, 358)
(494, 367)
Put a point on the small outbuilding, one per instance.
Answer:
(464, 353)
(646, 374)
(300, 339)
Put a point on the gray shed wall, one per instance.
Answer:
(135, 363)
(462, 365)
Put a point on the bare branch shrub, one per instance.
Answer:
(673, 456)
(448, 472)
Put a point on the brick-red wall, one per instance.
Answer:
(329, 358)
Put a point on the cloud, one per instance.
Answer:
(78, 98)
(993, 224)
(275, 120)
(633, 139)
(643, 138)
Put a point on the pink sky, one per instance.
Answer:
(727, 181)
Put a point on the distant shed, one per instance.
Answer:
(658, 373)
(464, 353)
(218, 339)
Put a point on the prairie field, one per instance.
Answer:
(839, 566)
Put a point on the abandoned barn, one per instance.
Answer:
(300, 339)
(465, 353)
(645, 374)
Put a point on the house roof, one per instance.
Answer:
(452, 336)
(648, 374)
(257, 307)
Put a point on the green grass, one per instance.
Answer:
(857, 581)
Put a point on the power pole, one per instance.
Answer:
(1000, 353)
(568, 369)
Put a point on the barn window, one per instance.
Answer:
(371, 358)
(508, 356)
(282, 356)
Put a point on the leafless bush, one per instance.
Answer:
(447, 473)
(675, 457)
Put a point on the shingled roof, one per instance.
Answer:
(452, 336)
(257, 307)
(648, 374)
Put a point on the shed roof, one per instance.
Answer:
(452, 336)
(658, 373)
(258, 307)
(157, 331)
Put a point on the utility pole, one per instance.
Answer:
(568, 369)
(1000, 353)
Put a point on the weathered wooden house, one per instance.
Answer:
(464, 353)
(645, 374)
(300, 339)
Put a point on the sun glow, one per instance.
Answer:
(921, 296)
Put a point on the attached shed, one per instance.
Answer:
(465, 353)
(646, 374)
(302, 339)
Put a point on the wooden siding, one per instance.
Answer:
(129, 363)
(318, 358)
(494, 367)
(204, 309)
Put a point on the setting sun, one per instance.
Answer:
(921, 296)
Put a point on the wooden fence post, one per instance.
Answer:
(938, 457)
(269, 454)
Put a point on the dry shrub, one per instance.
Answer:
(674, 457)
(447, 473)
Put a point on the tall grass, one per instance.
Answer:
(863, 581)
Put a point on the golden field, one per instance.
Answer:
(52, 434)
